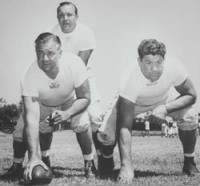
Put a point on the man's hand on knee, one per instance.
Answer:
(160, 112)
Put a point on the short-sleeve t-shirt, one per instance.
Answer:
(80, 39)
(53, 92)
(146, 94)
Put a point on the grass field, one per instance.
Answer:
(157, 162)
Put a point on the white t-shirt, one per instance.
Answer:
(80, 39)
(146, 94)
(54, 92)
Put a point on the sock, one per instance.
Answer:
(188, 139)
(45, 141)
(85, 142)
(46, 160)
(19, 149)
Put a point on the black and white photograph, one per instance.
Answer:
(100, 93)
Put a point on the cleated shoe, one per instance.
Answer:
(105, 166)
(15, 171)
(90, 169)
(189, 167)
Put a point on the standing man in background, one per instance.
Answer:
(78, 39)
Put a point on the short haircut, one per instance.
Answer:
(67, 3)
(151, 46)
(45, 37)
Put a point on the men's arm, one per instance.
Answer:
(31, 116)
(83, 100)
(186, 98)
(85, 55)
(125, 120)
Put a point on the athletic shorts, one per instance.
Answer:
(187, 119)
(78, 123)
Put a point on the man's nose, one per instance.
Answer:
(155, 68)
(46, 57)
(66, 17)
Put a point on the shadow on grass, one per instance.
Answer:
(58, 172)
(148, 173)
(67, 172)
(139, 174)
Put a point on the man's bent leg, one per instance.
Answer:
(46, 133)
(105, 141)
(188, 139)
(95, 113)
(16, 170)
(85, 143)
(19, 141)
(19, 150)
(45, 144)
(188, 135)
(80, 125)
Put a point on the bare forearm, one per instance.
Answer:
(187, 96)
(32, 135)
(180, 103)
(125, 146)
(78, 106)
(124, 122)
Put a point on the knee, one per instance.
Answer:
(106, 139)
(94, 112)
(81, 128)
(191, 116)
(80, 123)
(189, 120)
(96, 121)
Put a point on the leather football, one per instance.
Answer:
(41, 176)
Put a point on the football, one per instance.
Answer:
(41, 176)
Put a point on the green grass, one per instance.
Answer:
(157, 162)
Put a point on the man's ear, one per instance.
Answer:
(139, 60)
(59, 53)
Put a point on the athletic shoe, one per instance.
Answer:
(105, 166)
(15, 171)
(189, 167)
(90, 169)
